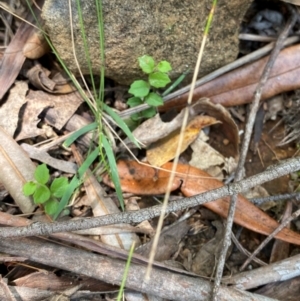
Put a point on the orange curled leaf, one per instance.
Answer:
(144, 180)
(141, 179)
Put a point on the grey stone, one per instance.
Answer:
(169, 30)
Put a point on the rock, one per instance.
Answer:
(167, 30)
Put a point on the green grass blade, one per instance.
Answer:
(113, 169)
(66, 197)
(102, 53)
(80, 132)
(121, 290)
(176, 83)
(88, 162)
(121, 124)
(76, 181)
(86, 47)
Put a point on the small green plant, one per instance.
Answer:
(42, 193)
(145, 91)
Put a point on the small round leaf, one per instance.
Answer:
(136, 116)
(146, 63)
(153, 99)
(51, 207)
(134, 101)
(59, 186)
(41, 194)
(41, 174)
(164, 66)
(159, 79)
(139, 88)
(29, 188)
(148, 113)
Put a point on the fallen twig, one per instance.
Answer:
(162, 283)
(278, 271)
(271, 173)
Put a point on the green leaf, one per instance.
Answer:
(164, 66)
(29, 188)
(41, 194)
(121, 124)
(139, 88)
(153, 99)
(134, 101)
(75, 182)
(132, 124)
(148, 113)
(59, 186)
(136, 116)
(159, 79)
(79, 133)
(176, 83)
(113, 169)
(146, 63)
(51, 206)
(41, 174)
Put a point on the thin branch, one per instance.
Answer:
(171, 286)
(271, 173)
(244, 251)
(271, 236)
(276, 198)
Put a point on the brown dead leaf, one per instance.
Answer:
(204, 262)
(42, 79)
(164, 150)
(228, 127)
(14, 58)
(36, 45)
(168, 242)
(205, 157)
(63, 106)
(237, 87)
(29, 118)
(16, 170)
(9, 111)
(42, 156)
(144, 180)
(155, 129)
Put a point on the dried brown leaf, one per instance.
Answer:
(63, 106)
(43, 79)
(204, 261)
(237, 87)
(165, 149)
(204, 157)
(228, 127)
(42, 156)
(9, 111)
(14, 58)
(36, 46)
(16, 170)
(155, 129)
